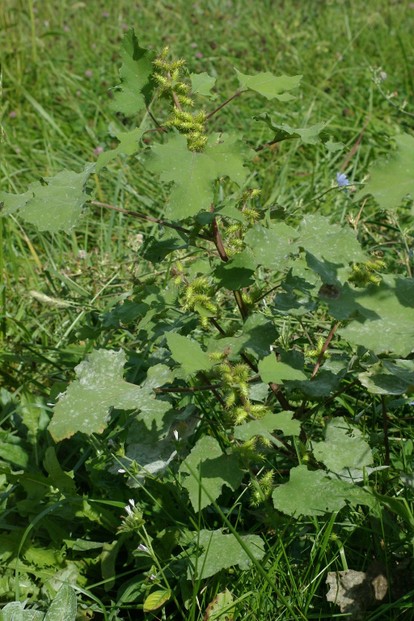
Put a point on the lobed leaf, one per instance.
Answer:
(55, 206)
(206, 470)
(269, 85)
(343, 447)
(282, 421)
(312, 493)
(128, 145)
(272, 246)
(86, 404)
(388, 377)
(202, 83)
(307, 135)
(392, 179)
(193, 173)
(223, 551)
(188, 354)
(136, 86)
(383, 316)
(271, 370)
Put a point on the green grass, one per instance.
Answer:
(59, 61)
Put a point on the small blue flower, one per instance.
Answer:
(342, 180)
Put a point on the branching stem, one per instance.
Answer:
(141, 216)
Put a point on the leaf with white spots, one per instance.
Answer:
(99, 387)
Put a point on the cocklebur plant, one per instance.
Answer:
(254, 327)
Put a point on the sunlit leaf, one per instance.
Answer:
(314, 493)
(269, 85)
(156, 599)
(388, 377)
(221, 608)
(128, 145)
(272, 246)
(280, 421)
(193, 173)
(135, 89)
(206, 470)
(308, 135)
(329, 241)
(221, 551)
(86, 404)
(392, 179)
(63, 606)
(343, 447)
(188, 354)
(271, 370)
(384, 317)
(55, 206)
(202, 83)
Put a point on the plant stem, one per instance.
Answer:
(236, 94)
(141, 216)
(324, 348)
(218, 241)
(385, 428)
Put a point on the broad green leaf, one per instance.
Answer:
(236, 273)
(223, 551)
(150, 447)
(86, 404)
(14, 202)
(188, 354)
(157, 376)
(194, 173)
(388, 377)
(314, 493)
(41, 557)
(343, 447)
(206, 470)
(282, 421)
(273, 371)
(392, 179)
(272, 247)
(202, 83)
(385, 317)
(12, 451)
(128, 145)
(156, 599)
(55, 206)
(136, 85)
(308, 135)
(261, 332)
(329, 242)
(322, 385)
(269, 85)
(15, 611)
(57, 476)
(221, 608)
(63, 606)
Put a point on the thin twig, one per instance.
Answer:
(324, 348)
(218, 241)
(385, 429)
(207, 387)
(236, 94)
(141, 216)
